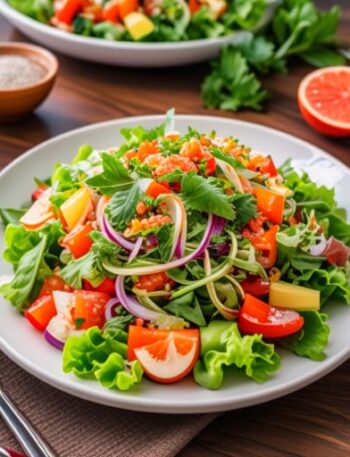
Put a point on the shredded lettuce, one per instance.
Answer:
(223, 346)
(97, 354)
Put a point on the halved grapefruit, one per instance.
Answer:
(324, 100)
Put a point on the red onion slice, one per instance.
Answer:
(124, 271)
(110, 308)
(131, 304)
(136, 249)
(114, 236)
(53, 340)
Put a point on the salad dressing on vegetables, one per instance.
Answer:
(176, 254)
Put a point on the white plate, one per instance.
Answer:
(125, 53)
(27, 348)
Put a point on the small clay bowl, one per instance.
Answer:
(18, 102)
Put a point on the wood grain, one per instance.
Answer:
(312, 423)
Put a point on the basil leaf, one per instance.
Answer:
(30, 265)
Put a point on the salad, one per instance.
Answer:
(146, 20)
(177, 254)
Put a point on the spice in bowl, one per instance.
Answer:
(19, 71)
(27, 75)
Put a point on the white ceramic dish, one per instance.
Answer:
(124, 53)
(27, 348)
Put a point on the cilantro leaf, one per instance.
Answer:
(114, 178)
(232, 85)
(245, 209)
(122, 207)
(199, 194)
(323, 57)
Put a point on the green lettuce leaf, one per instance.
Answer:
(223, 346)
(312, 340)
(11, 215)
(41, 10)
(103, 357)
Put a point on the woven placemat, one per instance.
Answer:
(78, 428)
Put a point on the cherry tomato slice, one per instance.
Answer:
(270, 203)
(52, 283)
(256, 286)
(257, 317)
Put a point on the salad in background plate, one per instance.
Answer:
(147, 20)
(176, 254)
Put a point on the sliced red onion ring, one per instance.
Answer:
(319, 248)
(114, 236)
(110, 308)
(131, 304)
(53, 340)
(220, 223)
(136, 248)
(124, 271)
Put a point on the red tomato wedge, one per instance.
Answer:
(78, 240)
(156, 188)
(53, 283)
(69, 9)
(39, 213)
(41, 312)
(166, 356)
(90, 308)
(107, 286)
(256, 286)
(257, 317)
(324, 100)
(270, 203)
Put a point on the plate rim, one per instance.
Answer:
(139, 403)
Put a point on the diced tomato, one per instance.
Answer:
(52, 283)
(270, 203)
(268, 166)
(153, 282)
(130, 155)
(257, 317)
(264, 164)
(194, 6)
(118, 9)
(166, 356)
(41, 312)
(38, 192)
(78, 240)
(266, 243)
(175, 162)
(68, 10)
(194, 150)
(90, 308)
(256, 286)
(156, 188)
(146, 149)
(107, 286)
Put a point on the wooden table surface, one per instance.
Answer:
(313, 422)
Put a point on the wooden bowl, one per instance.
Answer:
(18, 102)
